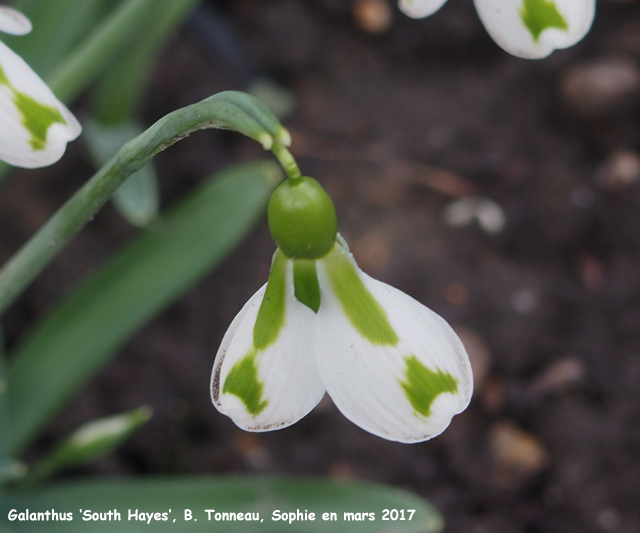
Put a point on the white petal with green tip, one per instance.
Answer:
(420, 8)
(533, 29)
(13, 22)
(34, 126)
(275, 386)
(405, 389)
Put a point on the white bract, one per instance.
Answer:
(34, 126)
(525, 28)
(392, 366)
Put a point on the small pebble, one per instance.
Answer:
(372, 16)
(558, 377)
(517, 454)
(599, 87)
(621, 169)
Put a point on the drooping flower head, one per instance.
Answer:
(34, 126)
(531, 29)
(390, 365)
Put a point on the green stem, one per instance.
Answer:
(218, 111)
(287, 161)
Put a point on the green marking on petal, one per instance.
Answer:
(270, 317)
(3, 78)
(305, 282)
(362, 309)
(423, 386)
(36, 117)
(539, 15)
(243, 382)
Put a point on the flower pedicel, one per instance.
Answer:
(391, 365)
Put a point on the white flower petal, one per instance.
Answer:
(506, 22)
(420, 8)
(370, 383)
(286, 369)
(34, 126)
(13, 22)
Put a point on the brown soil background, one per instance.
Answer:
(397, 126)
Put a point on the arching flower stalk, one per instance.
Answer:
(390, 365)
(531, 29)
(35, 126)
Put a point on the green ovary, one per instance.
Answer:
(36, 117)
(423, 386)
(539, 15)
(243, 382)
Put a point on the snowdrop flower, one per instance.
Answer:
(34, 126)
(391, 365)
(525, 28)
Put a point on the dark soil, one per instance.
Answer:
(397, 126)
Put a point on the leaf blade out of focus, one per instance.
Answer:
(69, 345)
(253, 494)
(90, 442)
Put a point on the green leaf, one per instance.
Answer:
(138, 198)
(108, 41)
(4, 412)
(119, 92)
(46, 45)
(71, 344)
(90, 442)
(262, 495)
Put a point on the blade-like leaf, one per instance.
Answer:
(80, 335)
(138, 198)
(101, 47)
(58, 25)
(228, 494)
(119, 92)
(90, 442)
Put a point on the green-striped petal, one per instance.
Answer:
(534, 28)
(265, 376)
(405, 390)
(34, 126)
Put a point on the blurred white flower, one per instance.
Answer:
(34, 125)
(531, 29)
(490, 216)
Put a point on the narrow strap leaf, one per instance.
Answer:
(67, 347)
